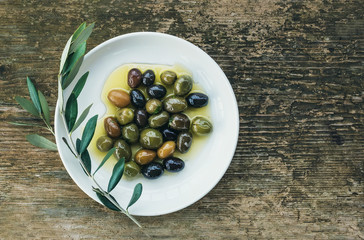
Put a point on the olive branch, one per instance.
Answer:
(71, 61)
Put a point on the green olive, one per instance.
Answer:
(130, 133)
(124, 116)
(158, 120)
(131, 169)
(153, 106)
(104, 143)
(183, 85)
(184, 142)
(168, 77)
(174, 104)
(122, 150)
(179, 121)
(151, 138)
(201, 126)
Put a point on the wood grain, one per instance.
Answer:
(296, 68)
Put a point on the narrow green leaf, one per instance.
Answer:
(73, 58)
(81, 118)
(45, 107)
(27, 105)
(88, 133)
(78, 145)
(85, 157)
(83, 36)
(60, 94)
(117, 173)
(136, 194)
(68, 78)
(106, 201)
(71, 111)
(26, 124)
(42, 142)
(33, 95)
(65, 141)
(78, 31)
(80, 84)
(107, 156)
(65, 54)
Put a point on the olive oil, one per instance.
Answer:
(118, 80)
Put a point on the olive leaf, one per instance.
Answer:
(106, 201)
(71, 111)
(117, 173)
(27, 105)
(67, 79)
(65, 141)
(65, 54)
(85, 157)
(107, 156)
(33, 95)
(83, 36)
(42, 142)
(78, 145)
(88, 133)
(80, 84)
(45, 107)
(78, 31)
(73, 58)
(81, 118)
(136, 194)
(26, 124)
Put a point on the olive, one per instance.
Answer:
(144, 156)
(174, 104)
(184, 142)
(201, 126)
(157, 91)
(122, 149)
(167, 149)
(169, 134)
(168, 77)
(141, 117)
(152, 170)
(124, 116)
(131, 169)
(134, 78)
(153, 106)
(150, 138)
(183, 85)
(158, 120)
(119, 98)
(179, 121)
(137, 98)
(148, 77)
(112, 127)
(104, 143)
(197, 100)
(173, 164)
(130, 133)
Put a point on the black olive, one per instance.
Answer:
(197, 100)
(157, 91)
(148, 77)
(141, 117)
(137, 98)
(169, 134)
(152, 170)
(173, 164)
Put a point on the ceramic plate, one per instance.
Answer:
(207, 165)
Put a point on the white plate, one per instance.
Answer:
(176, 191)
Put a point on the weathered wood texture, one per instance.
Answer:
(297, 71)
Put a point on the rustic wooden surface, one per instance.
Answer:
(297, 72)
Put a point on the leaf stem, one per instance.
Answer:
(106, 194)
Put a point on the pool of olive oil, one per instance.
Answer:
(118, 80)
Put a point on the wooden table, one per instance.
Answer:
(297, 72)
